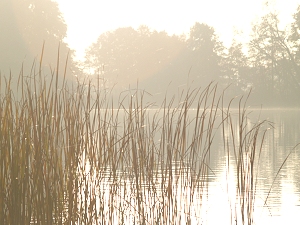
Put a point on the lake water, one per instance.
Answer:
(275, 195)
(277, 200)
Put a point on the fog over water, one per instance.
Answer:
(276, 180)
(127, 95)
(174, 17)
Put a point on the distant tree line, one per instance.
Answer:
(32, 41)
(156, 60)
(268, 65)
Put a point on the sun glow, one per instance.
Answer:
(88, 19)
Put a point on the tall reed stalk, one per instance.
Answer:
(69, 156)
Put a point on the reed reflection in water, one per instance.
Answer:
(197, 200)
(68, 158)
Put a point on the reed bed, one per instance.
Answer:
(243, 141)
(72, 155)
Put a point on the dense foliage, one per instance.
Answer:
(26, 26)
(268, 64)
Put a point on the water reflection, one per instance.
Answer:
(181, 194)
(277, 200)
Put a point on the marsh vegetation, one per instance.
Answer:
(68, 157)
(137, 132)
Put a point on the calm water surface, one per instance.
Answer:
(274, 204)
(277, 185)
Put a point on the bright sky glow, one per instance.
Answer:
(88, 19)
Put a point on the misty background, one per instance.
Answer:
(33, 36)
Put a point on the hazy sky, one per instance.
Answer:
(88, 19)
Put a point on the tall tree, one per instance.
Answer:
(294, 42)
(115, 54)
(235, 68)
(273, 61)
(127, 55)
(26, 26)
(206, 50)
(295, 34)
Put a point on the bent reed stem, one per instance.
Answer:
(69, 156)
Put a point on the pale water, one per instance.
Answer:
(277, 201)
(276, 185)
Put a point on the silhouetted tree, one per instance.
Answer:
(129, 56)
(275, 74)
(115, 54)
(235, 69)
(156, 60)
(293, 51)
(206, 51)
(27, 25)
(161, 61)
(294, 37)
